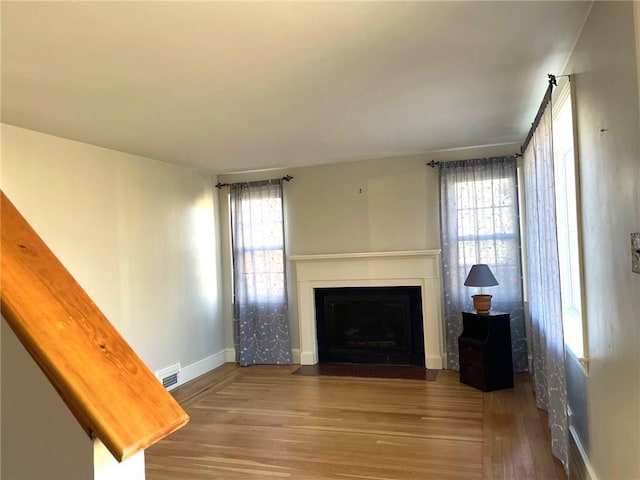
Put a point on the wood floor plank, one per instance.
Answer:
(265, 423)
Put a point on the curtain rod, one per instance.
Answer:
(434, 164)
(545, 101)
(286, 178)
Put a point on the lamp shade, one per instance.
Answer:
(480, 276)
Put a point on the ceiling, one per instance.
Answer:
(236, 86)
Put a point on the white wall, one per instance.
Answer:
(40, 438)
(604, 62)
(365, 206)
(388, 204)
(139, 235)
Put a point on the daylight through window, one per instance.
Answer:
(567, 222)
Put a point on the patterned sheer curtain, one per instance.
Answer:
(545, 308)
(261, 320)
(480, 224)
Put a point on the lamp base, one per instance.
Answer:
(482, 303)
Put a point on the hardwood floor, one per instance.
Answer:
(262, 422)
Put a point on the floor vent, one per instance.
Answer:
(170, 380)
(169, 376)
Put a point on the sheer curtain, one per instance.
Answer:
(545, 308)
(480, 224)
(261, 321)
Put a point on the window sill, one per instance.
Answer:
(582, 361)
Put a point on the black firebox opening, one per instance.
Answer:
(379, 325)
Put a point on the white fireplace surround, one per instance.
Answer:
(376, 269)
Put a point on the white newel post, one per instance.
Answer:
(376, 269)
(106, 467)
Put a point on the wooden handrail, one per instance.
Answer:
(107, 387)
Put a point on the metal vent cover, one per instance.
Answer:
(170, 380)
(169, 376)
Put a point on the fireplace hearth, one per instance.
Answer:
(375, 325)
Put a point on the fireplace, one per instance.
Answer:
(378, 325)
(420, 268)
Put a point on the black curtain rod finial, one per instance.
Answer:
(545, 101)
(433, 164)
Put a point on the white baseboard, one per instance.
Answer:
(295, 355)
(230, 354)
(201, 367)
(434, 362)
(307, 358)
(583, 454)
(530, 362)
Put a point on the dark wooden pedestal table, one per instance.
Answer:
(485, 351)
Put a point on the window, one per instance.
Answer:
(261, 321)
(488, 226)
(263, 248)
(569, 248)
(480, 224)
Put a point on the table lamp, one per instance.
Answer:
(480, 276)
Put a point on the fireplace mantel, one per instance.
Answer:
(402, 268)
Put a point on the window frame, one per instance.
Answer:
(564, 97)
